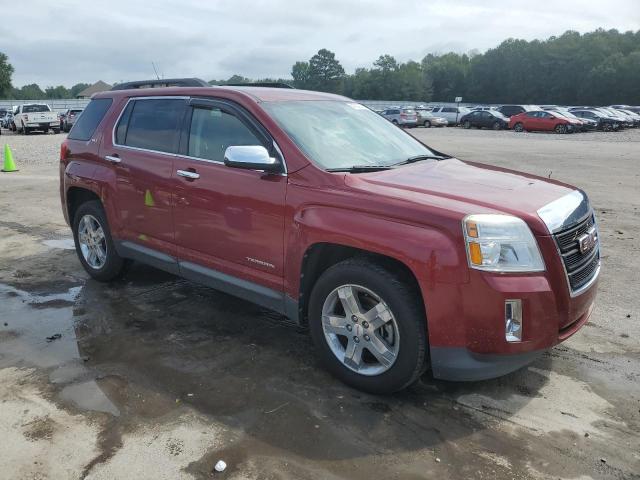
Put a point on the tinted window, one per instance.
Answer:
(153, 124)
(87, 123)
(213, 130)
(449, 110)
(532, 114)
(35, 108)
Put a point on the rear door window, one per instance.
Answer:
(152, 124)
(212, 130)
(86, 125)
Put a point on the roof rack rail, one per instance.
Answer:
(259, 84)
(164, 82)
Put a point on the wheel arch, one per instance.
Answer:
(322, 255)
(75, 197)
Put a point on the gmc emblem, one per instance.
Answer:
(588, 241)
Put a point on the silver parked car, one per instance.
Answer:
(426, 118)
(451, 114)
(403, 117)
(69, 118)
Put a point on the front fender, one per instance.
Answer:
(435, 257)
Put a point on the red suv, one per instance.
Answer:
(540, 120)
(398, 258)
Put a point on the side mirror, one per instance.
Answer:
(250, 157)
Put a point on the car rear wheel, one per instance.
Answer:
(518, 127)
(427, 124)
(606, 127)
(368, 326)
(560, 128)
(467, 124)
(94, 244)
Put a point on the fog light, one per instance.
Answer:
(513, 320)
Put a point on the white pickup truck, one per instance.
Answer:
(35, 116)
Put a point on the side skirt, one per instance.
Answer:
(253, 292)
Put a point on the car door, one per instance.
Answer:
(546, 121)
(228, 221)
(531, 121)
(486, 119)
(141, 153)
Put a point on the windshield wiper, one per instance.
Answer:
(360, 168)
(419, 158)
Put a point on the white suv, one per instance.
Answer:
(451, 114)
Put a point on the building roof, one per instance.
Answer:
(99, 86)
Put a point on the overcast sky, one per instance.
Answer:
(52, 42)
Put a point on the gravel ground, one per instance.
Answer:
(156, 377)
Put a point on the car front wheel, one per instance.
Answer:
(518, 127)
(427, 124)
(497, 126)
(560, 128)
(369, 326)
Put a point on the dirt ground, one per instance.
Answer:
(156, 377)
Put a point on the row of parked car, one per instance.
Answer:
(31, 117)
(520, 118)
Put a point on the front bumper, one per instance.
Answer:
(463, 365)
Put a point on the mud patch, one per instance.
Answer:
(40, 428)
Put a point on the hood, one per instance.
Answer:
(465, 187)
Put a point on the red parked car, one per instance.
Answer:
(399, 258)
(539, 120)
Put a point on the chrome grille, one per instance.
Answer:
(580, 266)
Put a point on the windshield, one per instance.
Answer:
(35, 108)
(341, 135)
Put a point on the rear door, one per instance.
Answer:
(141, 151)
(228, 220)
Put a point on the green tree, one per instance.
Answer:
(300, 74)
(77, 88)
(325, 72)
(28, 92)
(57, 92)
(6, 71)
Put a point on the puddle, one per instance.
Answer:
(46, 338)
(63, 244)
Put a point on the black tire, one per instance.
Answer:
(607, 127)
(497, 126)
(56, 131)
(395, 122)
(560, 128)
(467, 124)
(115, 265)
(24, 130)
(427, 124)
(404, 302)
(518, 127)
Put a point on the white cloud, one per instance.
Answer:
(68, 41)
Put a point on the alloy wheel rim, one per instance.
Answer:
(93, 243)
(360, 329)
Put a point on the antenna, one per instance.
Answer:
(155, 70)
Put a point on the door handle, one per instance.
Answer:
(112, 158)
(188, 174)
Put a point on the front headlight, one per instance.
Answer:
(501, 243)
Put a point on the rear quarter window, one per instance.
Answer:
(87, 123)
